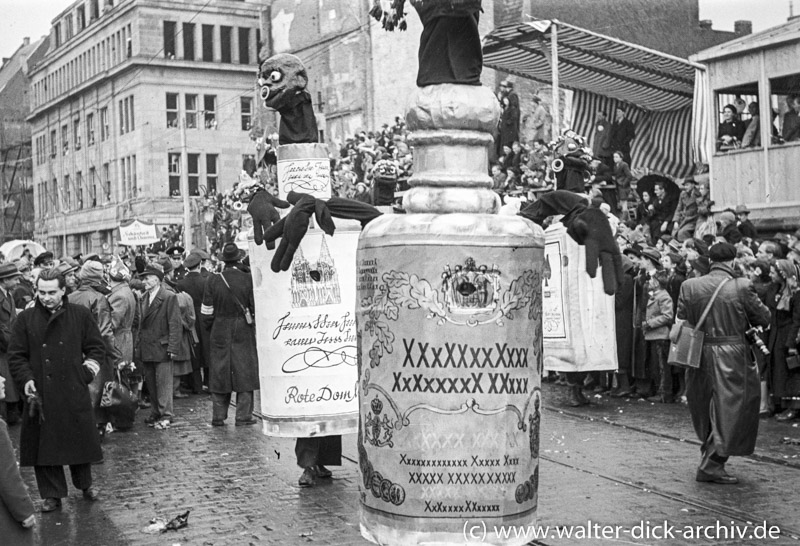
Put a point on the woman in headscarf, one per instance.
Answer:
(783, 299)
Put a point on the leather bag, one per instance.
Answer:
(687, 349)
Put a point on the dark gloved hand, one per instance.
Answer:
(588, 226)
(293, 227)
(262, 209)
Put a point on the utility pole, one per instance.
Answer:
(187, 211)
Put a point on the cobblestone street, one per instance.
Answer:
(615, 462)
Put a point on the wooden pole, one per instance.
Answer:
(556, 129)
(187, 216)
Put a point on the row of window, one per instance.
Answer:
(193, 173)
(186, 36)
(64, 29)
(100, 57)
(196, 118)
(127, 123)
(78, 193)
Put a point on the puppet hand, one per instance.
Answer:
(262, 209)
(30, 388)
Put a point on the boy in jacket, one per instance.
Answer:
(658, 320)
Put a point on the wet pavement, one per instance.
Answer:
(616, 462)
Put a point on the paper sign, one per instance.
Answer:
(304, 168)
(138, 233)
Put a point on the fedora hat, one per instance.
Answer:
(741, 209)
(653, 255)
(150, 270)
(230, 253)
(9, 270)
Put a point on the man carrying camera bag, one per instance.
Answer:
(724, 392)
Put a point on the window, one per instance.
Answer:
(128, 42)
(188, 41)
(208, 43)
(211, 173)
(65, 139)
(94, 10)
(210, 111)
(734, 115)
(53, 144)
(320, 104)
(105, 131)
(785, 103)
(67, 194)
(79, 189)
(81, 15)
(247, 113)
(126, 119)
(191, 111)
(55, 195)
(106, 183)
(244, 46)
(134, 183)
(225, 44)
(76, 133)
(174, 169)
(169, 39)
(172, 110)
(57, 31)
(68, 22)
(90, 129)
(92, 188)
(194, 174)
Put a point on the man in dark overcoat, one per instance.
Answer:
(228, 311)
(194, 284)
(55, 353)
(724, 392)
(160, 336)
(9, 278)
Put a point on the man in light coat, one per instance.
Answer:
(160, 335)
(55, 353)
(724, 392)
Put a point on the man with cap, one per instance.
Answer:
(45, 260)
(23, 293)
(160, 336)
(745, 226)
(175, 254)
(9, 278)
(69, 268)
(194, 284)
(205, 261)
(227, 311)
(685, 218)
(723, 393)
(91, 295)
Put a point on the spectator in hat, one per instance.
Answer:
(228, 309)
(743, 223)
(160, 322)
(509, 118)
(540, 120)
(45, 260)
(91, 295)
(656, 326)
(623, 179)
(23, 293)
(723, 393)
(700, 266)
(622, 134)
(685, 218)
(601, 143)
(9, 278)
(69, 268)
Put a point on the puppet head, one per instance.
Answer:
(280, 78)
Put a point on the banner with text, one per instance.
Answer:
(137, 233)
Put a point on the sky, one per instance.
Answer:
(32, 17)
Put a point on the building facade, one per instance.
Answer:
(16, 188)
(107, 104)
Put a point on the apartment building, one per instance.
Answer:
(107, 103)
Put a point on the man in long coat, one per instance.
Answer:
(724, 392)
(55, 353)
(194, 284)
(227, 312)
(9, 278)
(160, 336)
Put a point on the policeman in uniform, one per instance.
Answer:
(175, 254)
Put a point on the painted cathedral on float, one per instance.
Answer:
(315, 284)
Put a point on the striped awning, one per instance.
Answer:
(592, 62)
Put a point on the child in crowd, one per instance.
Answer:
(656, 326)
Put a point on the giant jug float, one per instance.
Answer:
(449, 342)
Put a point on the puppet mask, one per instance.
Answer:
(281, 77)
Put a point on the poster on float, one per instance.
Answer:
(306, 337)
(578, 317)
